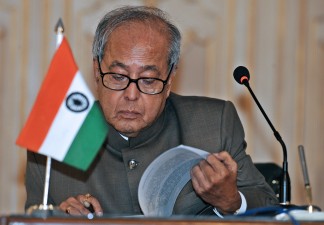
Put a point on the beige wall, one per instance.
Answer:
(280, 41)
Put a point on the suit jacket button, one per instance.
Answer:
(132, 164)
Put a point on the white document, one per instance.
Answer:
(165, 177)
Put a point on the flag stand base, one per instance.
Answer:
(42, 211)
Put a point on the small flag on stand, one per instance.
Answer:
(66, 123)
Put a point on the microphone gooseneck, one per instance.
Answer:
(242, 76)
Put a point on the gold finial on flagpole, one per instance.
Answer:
(59, 28)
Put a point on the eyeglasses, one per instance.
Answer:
(146, 85)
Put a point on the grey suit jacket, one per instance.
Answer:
(209, 124)
(213, 125)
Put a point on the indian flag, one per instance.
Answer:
(65, 123)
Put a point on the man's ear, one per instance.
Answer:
(170, 81)
(96, 73)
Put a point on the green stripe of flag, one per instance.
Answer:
(88, 140)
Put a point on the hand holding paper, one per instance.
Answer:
(214, 180)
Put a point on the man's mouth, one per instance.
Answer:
(126, 114)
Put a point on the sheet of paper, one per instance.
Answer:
(165, 177)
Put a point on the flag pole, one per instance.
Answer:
(44, 209)
(46, 185)
(59, 29)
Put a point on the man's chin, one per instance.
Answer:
(128, 128)
(128, 131)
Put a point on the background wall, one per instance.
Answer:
(280, 41)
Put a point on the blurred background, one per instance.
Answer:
(280, 41)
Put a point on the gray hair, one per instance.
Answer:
(119, 16)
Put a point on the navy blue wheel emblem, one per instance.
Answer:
(77, 102)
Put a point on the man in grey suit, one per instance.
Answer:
(135, 56)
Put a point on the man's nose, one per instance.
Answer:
(131, 92)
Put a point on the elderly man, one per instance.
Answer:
(135, 57)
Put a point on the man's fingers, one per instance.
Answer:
(85, 200)
(204, 176)
(91, 203)
(216, 169)
(215, 163)
(72, 206)
(82, 205)
(226, 160)
(214, 180)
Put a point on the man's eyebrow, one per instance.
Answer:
(122, 65)
(152, 68)
(117, 64)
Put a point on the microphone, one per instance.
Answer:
(242, 76)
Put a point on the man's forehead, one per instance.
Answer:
(136, 33)
(146, 27)
(139, 42)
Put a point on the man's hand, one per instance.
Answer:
(82, 205)
(214, 180)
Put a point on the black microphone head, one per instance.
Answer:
(241, 75)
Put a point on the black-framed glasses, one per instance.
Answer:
(146, 85)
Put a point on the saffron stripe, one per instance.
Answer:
(52, 92)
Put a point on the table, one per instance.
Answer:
(28, 220)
